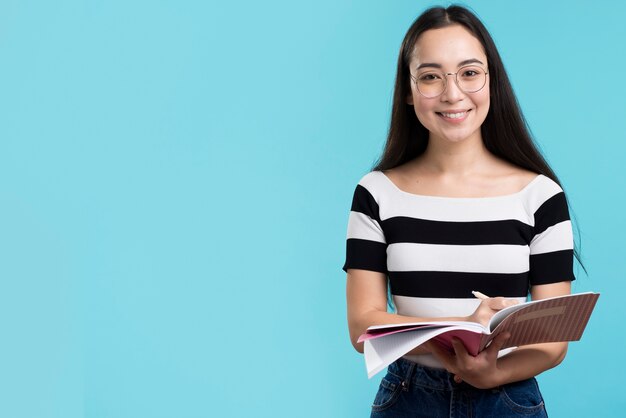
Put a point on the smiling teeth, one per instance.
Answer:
(454, 115)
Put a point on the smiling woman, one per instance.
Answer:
(451, 111)
(460, 201)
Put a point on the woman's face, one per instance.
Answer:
(454, 115)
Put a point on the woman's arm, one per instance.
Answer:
(487, 371)
(366, 293)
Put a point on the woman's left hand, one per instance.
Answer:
(481, 371)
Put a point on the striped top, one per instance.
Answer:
(436, 250)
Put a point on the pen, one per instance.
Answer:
(479, 295)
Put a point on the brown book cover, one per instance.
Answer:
(562, 318)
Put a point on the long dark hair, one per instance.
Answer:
(505, 132)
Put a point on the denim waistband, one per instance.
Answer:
(428, 377)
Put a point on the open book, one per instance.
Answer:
(562, 318)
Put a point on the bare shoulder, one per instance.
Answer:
(516, 178)
(399, 173)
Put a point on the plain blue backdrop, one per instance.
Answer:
(175, 182)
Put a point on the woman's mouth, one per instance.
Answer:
(454, 117)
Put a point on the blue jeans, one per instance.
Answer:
(411, 390)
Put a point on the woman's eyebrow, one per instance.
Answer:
(462, 63)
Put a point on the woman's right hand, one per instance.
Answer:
(488, 307)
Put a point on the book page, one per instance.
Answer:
(385, 327)
(379, 331)
(381, 352)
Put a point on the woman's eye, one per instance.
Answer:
(471, 73)
(429, 77)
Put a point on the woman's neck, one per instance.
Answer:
(456, 159)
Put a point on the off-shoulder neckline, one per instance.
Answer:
(479, 198)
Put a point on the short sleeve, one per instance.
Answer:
(552, 245)
(366, 248)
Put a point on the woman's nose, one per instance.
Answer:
(452, 92)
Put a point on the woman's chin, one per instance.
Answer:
(457, 137)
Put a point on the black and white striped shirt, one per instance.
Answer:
(436, 250)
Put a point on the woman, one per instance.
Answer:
(460, 201)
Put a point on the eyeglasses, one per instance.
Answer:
(470, 79)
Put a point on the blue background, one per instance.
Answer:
(175, 181)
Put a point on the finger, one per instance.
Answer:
(442, 354)
(459, 348)
(499, 303)
(498, 343)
